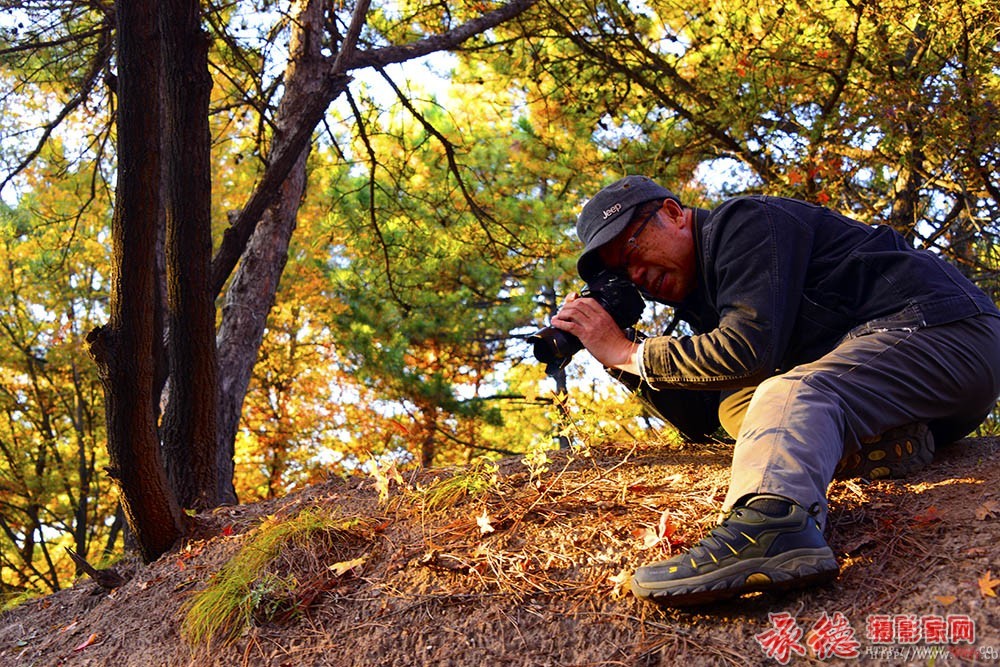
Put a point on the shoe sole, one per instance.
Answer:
(898, 453)
(793, 569)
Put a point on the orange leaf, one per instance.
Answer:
(648, 536)
(667, 527)
(87, 642)
(928, 516)
(987, 583)
(946, 600)
(400, 426)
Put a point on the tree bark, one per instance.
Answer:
(189, 421)
(124, 348)
(428, 446)
(252, 291)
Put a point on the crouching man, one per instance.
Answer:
(823, 346)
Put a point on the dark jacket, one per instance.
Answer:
(781, 282)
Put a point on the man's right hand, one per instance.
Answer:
(586, 319)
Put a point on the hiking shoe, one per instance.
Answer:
(749, 551)
(898, 452)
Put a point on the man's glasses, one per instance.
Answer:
(632, 242)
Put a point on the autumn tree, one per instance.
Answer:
(155, 42)
(52, 494)
(444, 225)
(886, 110)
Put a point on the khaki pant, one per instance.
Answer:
(793, 429)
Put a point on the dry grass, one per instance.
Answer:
(284, 565)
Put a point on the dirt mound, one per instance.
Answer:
(510, 567)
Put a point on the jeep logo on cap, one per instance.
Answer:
(611, 211)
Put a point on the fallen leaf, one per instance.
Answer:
(383, 477)
(987, 583)
(619, 580)
(647, 536)
(667, 527)
(190, 551)
(87, 642)
(343, 567)
(988, 510)
(946, 600)
(484, 523)
(928, 516)
(394, 475)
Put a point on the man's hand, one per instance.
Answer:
(587, 320)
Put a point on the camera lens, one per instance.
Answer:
(554, 347)
(616, 294)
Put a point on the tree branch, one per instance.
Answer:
(101, 57)
(445, 41)
(478, 211)
(235, 238)
(371, 206)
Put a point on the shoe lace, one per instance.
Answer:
(716, 537)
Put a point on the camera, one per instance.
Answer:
(616, 294)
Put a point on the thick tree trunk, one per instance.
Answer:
(253, 288)
(124, 347)
(189, 421)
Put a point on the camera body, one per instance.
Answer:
(616, 294)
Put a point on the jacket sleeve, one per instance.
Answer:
(754, 261)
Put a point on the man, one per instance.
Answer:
(820, 342)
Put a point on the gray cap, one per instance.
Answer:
(608, 213)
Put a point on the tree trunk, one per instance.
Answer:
(252, 291)
(428, 446)
(124, 347)
(189, 421)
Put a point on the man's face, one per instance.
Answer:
(656, 253)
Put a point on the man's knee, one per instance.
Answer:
(733, 408)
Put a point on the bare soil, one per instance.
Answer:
(548, 585)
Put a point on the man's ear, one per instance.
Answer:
(674, 210)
